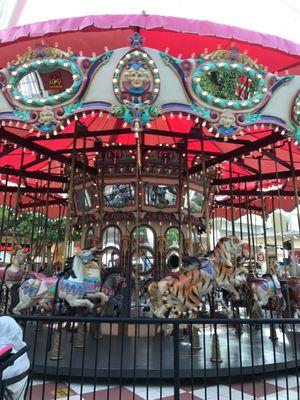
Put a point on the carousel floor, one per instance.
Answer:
(154, 357)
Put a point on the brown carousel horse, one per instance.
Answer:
(13, 273)
(291, 292)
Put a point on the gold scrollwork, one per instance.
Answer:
(219, 55)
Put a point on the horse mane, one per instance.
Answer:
(105, 273)
(218, 251)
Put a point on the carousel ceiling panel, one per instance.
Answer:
(158, 92)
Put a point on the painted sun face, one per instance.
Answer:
(137, 78)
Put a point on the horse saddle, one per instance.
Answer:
(47, 284)
(41, 277)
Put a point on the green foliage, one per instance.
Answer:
(224, 85)
(52, 230)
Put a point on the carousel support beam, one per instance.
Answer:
(41, 203)
(37, 148)
(33, 174)
(31, 189)
(242, 150)
(255, 178)
(270, 154)
(241, 193)
(241, 163)
(236, 205)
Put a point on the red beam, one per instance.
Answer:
(242, 150)
(256, 178)
(34, 174)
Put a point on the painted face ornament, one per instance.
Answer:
(227, 123)
(46, 116)
(136, 78)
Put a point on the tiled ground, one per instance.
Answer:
(286, 388)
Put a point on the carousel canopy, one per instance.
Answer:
(255, 157)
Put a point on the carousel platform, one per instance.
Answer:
(152, 357)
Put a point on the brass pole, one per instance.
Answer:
(3, 208)
(83, 233)
(206, 195)
(191, 251)
(70, 197)
(46, 218)
(294, 184)
(248, 225)
(279, 204)
(138, 221)
(8, 224)
(17, 202)
(274, 227)
(180, 194)
(231, 199)
(263, 214)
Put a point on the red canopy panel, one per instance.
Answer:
(236, 161)
(181, 36)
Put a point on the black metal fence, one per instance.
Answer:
(228, 355)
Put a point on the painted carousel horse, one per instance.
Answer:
(181, 295)
(265, 289)
(113, 280)
(291, 292)
(14, 272)
(74, 289)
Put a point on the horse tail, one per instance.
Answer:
(55, 298)
(3, 282)
(15, 297)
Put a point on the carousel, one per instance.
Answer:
(124, 141)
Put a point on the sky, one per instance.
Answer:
(276, 17)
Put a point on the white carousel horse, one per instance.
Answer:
(14, 272)
(264, 289)
(182, 294)
(75, 290)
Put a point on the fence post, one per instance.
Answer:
(176, 361)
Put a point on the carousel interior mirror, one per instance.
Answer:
(172, 260)
(172, 238)
(144, 258)
(86, 199)
(161, 196)
(111, 258)
(45, 82)
(118, 196)
(111, 237)
(196, 201)
(90, 234)
(146, 237)
(111, 243)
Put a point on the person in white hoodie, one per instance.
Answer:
(12, 334)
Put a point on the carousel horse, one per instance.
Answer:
(113, 280)
(181, 295)
(14, 272)
(264, 289)
(74, 289)
(291, 292)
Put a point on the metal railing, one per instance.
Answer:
(197, 354)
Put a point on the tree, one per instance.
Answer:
(32, 228)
